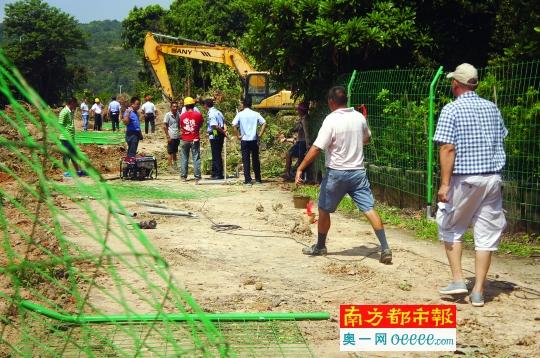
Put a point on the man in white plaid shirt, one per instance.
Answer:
(470, 132)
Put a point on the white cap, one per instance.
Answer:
(465, 73)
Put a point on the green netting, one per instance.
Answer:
(63, 252)
(397, 104)
(516, 91)
(95, 137)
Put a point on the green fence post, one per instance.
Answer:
(431, 128)
(349, 88)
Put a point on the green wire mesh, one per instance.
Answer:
(515, 88)
(397, 103)
(90, 260)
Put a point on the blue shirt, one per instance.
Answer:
(114, 107)
(215, 118)
(248, 120)
(476, 128)
(134, 124)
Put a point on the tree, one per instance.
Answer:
(38, 39)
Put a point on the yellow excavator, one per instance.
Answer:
(256, 83)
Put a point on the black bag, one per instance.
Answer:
(138, 168)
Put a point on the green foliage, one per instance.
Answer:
(38, 40)
(108, 64)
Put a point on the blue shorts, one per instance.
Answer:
(337, 183)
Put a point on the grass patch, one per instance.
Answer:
(422, 228)
(131, 190)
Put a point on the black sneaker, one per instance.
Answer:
(386, 257)
(314, 250)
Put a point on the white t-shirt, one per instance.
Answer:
(148, 108)
(342, 136)
(172, 124)
(97, 107)
(248, 120)
(84, 108)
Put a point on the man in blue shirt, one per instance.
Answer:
(470, 132)
(217, 131)
(114, 113)
(133, 126)
(248, 120)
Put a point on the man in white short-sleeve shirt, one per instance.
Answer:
(343, 135)
(149, 111)
(247, 121)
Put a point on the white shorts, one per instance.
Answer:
(476, 200)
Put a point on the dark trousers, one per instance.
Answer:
(115, 119)
(98, 122)
(132, 140)
(250, 148)
(149, 120)
(217, 161)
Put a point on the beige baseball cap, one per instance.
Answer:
(465, 73)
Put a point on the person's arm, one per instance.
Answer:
(311, 155)
(262, 130)
(125, 119)
(447, 155)
(166, 129)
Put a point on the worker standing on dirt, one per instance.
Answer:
(471, 133)
(150, 112)
(191, 123)
(133, 126)
(343, 135)
(96, 110)
(170, 127)
(217, 132)
(65, 119)
(248, 120)
(84, 114)
(298, 150)
(113, 112)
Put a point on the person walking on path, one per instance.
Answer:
(248, 120)
(133, 127)
(150, 112)
(170, 127)
(97, 113)
(217, 132)
(191, 123)
(65, 119)
(471, 133)
(84, 114)
(342, 135)
(114, 113)
(298, 150)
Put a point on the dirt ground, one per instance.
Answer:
(259, 267)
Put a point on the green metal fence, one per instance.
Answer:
(403, 106)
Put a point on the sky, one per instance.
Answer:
(89, 10)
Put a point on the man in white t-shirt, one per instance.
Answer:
(170, 127)
(96, 110)
(84, 114)
(343, 135)
(150, 112)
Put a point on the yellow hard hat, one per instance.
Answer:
(188, 101)
(96, 100)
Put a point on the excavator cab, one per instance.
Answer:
(257, 87)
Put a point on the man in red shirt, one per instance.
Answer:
(190, 123)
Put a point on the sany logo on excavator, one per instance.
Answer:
(181, 51)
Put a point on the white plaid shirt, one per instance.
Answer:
(476, 128)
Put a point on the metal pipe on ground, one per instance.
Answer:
(125, 212)
(171, 212)
(216, 182)
(154, 205)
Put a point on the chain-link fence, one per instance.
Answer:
(403, 163)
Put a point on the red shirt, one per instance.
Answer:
(191, 123)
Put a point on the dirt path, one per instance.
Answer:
(260, 267)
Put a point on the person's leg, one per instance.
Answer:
(219, 162)
(95, 122)
(483, 261)
(256, 161)
(453, 253)
(132, 142)
(323, 226)
(214, 148)
(244, 147)
(196, 154)
(146, 123)
(288, 163)
(184, 158)
(100, 125)
(153, 123)
(85, 122)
